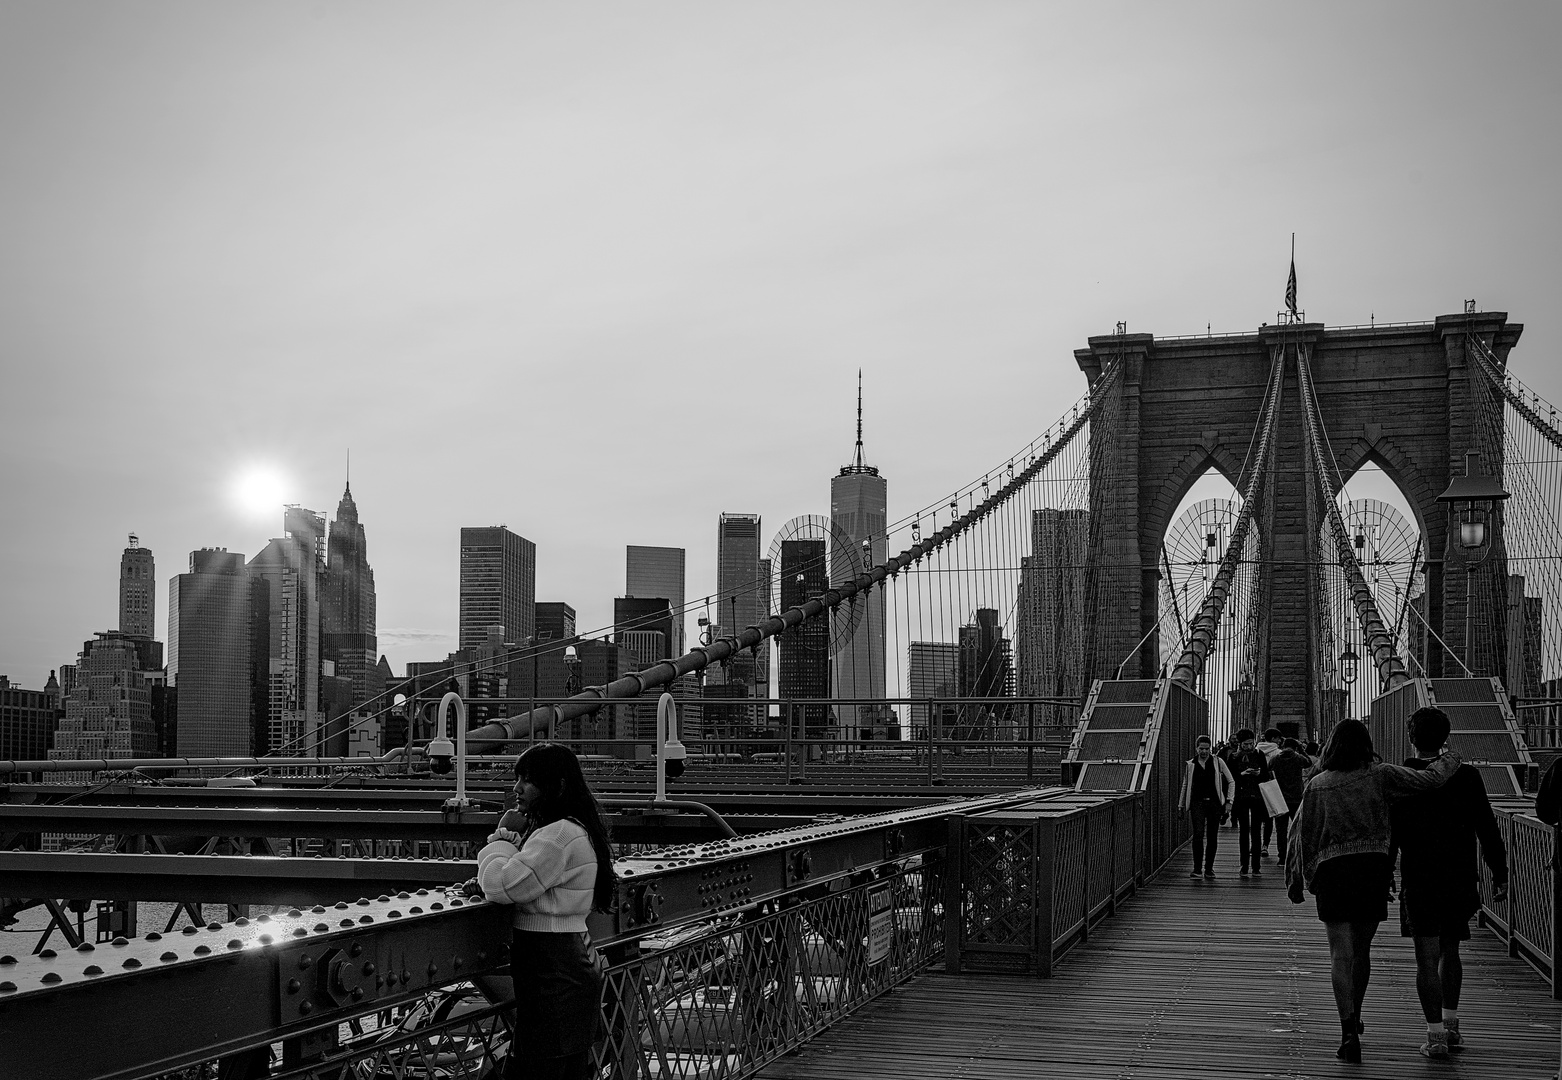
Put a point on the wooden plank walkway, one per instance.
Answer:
(1198, 980)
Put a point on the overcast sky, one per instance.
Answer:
(601, 272)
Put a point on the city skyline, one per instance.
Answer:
(241, 245)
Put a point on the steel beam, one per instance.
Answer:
(209, 879)
(178, 999)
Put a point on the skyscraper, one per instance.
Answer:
(932, 671)
(347, 605)
(658, 571)
(108, 713)
(1050, 613)
(986, 669)
(498, 585)
(741, 591)
(804, 665)
(27, 719)
(137, 591)
(858, 507)
(285, 627)
(208, 655)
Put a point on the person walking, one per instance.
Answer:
(1435, 835)
(551, 859)
(1289, 767)
(1207, 790)
(1339, 851)
(1250, 768)
(1269, 746)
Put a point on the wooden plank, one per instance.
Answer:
(1192, 980)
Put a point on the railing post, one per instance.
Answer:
(1042, 927)
(1030, 742)
(1556, 912)
(954, 869)
(787, 717)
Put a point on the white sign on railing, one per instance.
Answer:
(881, 923)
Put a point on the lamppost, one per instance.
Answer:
(1474, 498)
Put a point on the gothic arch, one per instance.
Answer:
(1176, 485)
(1401, 469)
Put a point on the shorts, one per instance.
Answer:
(1433, 916)
(1353, 888)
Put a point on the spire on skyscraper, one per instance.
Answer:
(857, 465)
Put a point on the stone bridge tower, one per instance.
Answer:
(1404, 398)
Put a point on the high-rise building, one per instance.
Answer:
(498, 585)
(804, 664)
(986, 670)
(1050, 613)
(108, 713)
(347, 605)
(137, 591)
(658, 571)
(27, 719)
(932, 672)
(555, 621)
(741, 592)
(209, 655)
(859, 508)
(285, 624)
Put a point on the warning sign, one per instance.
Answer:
(881, 923)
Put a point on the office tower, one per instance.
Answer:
(932, 671)
(1050, 614)
(108, 713)
(858, 507)
(285, 629)
(555, 621)
(986, 669)
(1526, 615)
(137, 591)
(498, 585)
(804, 664)
(27, 719)
(347, 605)
(208, 655)
(740, 592)
(658, 571)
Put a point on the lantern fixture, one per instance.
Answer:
(1349, 662)
(1473, 497)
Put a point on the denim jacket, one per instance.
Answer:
(1346, 813)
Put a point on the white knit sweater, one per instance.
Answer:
(549, 879)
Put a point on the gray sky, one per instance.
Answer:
(600, 272)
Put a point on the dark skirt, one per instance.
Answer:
(1353, 888)
(558, 995)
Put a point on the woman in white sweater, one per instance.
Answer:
(550, 858)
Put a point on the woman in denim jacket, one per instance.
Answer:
(1340, 851)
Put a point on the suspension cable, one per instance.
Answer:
(1202, 631)
(1379, 643)
(490, 736)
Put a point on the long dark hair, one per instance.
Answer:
(1350, 748)
(564, 793)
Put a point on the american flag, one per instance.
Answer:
(1290, 285)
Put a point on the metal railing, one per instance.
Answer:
(1527, 921)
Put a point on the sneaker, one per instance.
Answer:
(1195, 874)
(1209, 875)
(1436, 1045)
(1244, 871)
(1256, 871)
(1455, 1040)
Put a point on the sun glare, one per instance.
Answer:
(259, 492)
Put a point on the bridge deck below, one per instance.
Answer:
(1198, 980)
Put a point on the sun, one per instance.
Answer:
(259, 492)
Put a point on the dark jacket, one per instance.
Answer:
(1435, 834)
(1288, 767)
(1250, 768)
(1550, 794)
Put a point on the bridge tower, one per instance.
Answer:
(1405, 398)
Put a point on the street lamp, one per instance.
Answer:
(1473, 497)
(1349, 661)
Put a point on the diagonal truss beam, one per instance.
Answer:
(489, 738)
(1379, 642)
(1201, 635)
